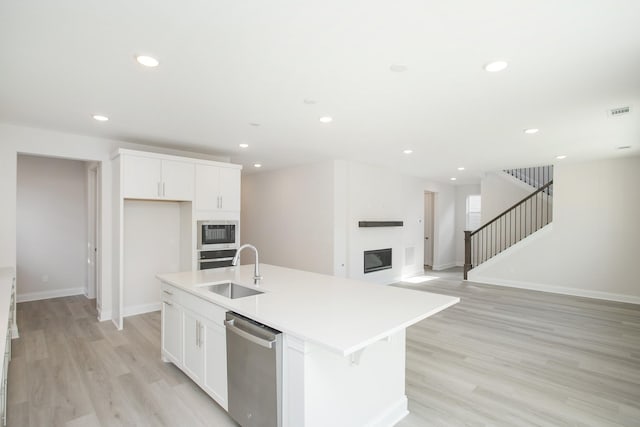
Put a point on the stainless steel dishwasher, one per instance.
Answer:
(254, 372)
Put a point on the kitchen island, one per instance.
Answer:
(343, 358)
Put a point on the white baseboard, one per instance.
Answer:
(391, 415)
(443, 266)
(141, 309)
(57, 293)
(104, 315)
(556, 289)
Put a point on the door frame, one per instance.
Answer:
(94, 282)
(432, 219)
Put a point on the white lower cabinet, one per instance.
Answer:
(193, 346)
(172, 332)
(194, 339)
(215, 381)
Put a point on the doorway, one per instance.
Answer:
(428, 228)
(57, 227)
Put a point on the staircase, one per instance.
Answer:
(517, 222)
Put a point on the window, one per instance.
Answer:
(473, 212)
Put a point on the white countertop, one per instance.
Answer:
(343, 315)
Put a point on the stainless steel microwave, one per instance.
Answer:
(217, 235)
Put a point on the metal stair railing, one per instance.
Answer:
(511, 226)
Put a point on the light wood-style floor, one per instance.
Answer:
(502, 357)
(70, 370)
(512, 357)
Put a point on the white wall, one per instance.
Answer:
(444, 245)
(499, 192)
(51, 227)
(20, 139)
(151, 246)
(375, 193)
(288, 215)
(462, 192)
(592, 246)
(307, 217)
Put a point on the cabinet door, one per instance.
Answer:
(172, 332)
(177, 180)
(215, 382)
(230, 189)
(142, 177)
(207, 187)
(193, 345)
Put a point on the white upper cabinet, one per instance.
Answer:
(142, 177)
(214, 186)
(217, 188)
(230, 189)
(177, 180)
(152, 178)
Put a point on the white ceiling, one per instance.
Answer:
(228, 63)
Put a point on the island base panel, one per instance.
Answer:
(324, 388)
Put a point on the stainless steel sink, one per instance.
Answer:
(231, 290)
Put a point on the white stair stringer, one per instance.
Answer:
(534, 263)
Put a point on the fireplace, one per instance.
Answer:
(376, 260)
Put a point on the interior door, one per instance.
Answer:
(428, 229)
(90, 289)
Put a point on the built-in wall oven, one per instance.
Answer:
(215, 259)
(217, 243)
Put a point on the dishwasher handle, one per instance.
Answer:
(248, 336)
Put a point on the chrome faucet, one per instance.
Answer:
(256, 272)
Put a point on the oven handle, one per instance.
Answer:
(201, 260)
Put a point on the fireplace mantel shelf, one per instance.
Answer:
(380, 223)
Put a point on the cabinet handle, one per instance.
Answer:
(163, 190)
(168, 303)
(168, 293)
(220, 202)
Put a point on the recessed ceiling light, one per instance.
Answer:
(531, 131)
(326, 119)
(147, 61)
(561, 157)
(408, 151)
(257, 165)
(309, 101)
(243, 145)
(453, 179)
(495, 66)
(100, 118)
(624, 147)
(254, 124)
(461, 168)
(398, 68)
